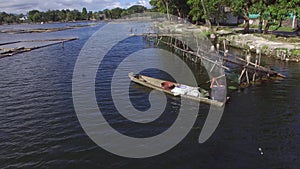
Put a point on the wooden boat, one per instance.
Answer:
(175, 89)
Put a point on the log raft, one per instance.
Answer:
(13, 51)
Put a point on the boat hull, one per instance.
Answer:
(156, 84)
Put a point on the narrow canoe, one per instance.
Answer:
(169, 88)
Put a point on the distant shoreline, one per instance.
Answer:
(89, 21)
(51, 29)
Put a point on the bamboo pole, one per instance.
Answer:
(195, 54)
(242, 73)
(213, 67)
(252, 66)
(253, 78)
(247, 77)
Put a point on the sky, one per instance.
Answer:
(23, 6)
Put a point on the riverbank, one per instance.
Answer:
(283, 48)
(286, 48)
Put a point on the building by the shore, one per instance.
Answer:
(228, 18)
(291, 21)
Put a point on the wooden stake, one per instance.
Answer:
(242, 73)
(253, 78)
(213, 67)
(247, 77)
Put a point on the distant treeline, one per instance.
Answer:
(66, 15)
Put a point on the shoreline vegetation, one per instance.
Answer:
(280, 45)
(67, 15)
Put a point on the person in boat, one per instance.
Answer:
(138, 76)
(217, 90)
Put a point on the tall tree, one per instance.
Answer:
(116, 13)
(206, 15)
(206, 9)
(84, 14)
(51, 15)
(73, 15)
(136, 9)
(90, 15)
(259, 8)
(196, 11)
(124, 13)
(107, 14)
(275, 11)
(62, 15)
(34, 16)
(182, 8)
(165, 6)
(294, 7)
(242, 7)
(167, 3)
(3, 15)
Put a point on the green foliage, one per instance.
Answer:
(274, 11)
(107, 13)
(174, 7)
(207, 33)
(51, 15)
(116, 13)
(36, 16)
(285, 29)
(9, 18)
(196, 12)
(209, 10)
(136, 9)
(265, 48)
(124, 13)
(295, 52)
(62, 15)
(243, 7)
(90, 15)
(73, 15)
(84, 14)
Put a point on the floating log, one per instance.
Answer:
(8, 43)
(42, 30)
(14, 51)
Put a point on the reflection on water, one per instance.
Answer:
(39, 128)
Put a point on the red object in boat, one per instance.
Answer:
(167, 85)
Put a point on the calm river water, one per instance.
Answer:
(39, 127)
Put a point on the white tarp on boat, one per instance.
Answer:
(185, 90)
